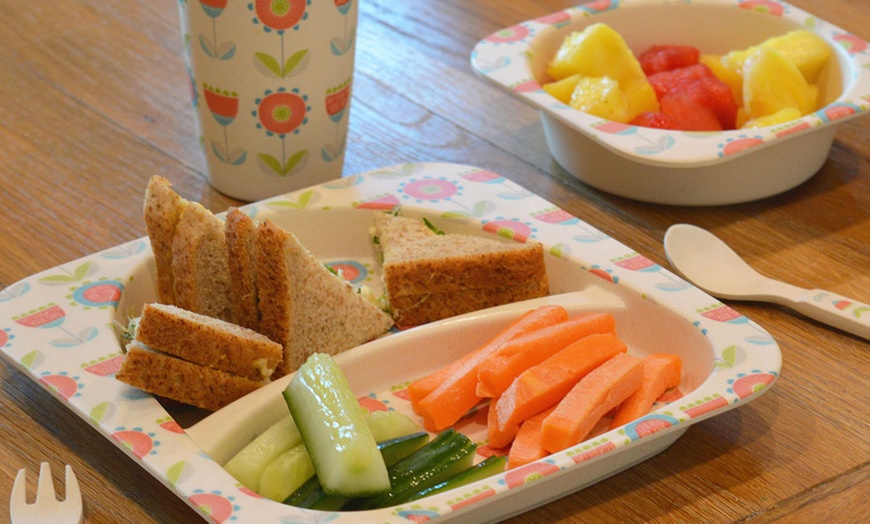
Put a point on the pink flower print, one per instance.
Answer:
(45, 317)
(281, 113)
(430, 189)
(215, 49)
(278, 16)
(218, 507)
(509, 35)
(337, 99)
(340, 45)
(343, 5)
(213, 8)
(224, 107)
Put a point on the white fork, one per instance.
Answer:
(46, 509)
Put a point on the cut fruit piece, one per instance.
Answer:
(771, 82)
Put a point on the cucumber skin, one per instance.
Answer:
(492, 465)
(286, 474)
(334, 430)
(311, 496)
(446, 455)
(248, 464)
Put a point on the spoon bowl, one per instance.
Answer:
(710, 264)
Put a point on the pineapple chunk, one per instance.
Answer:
(561, 89)
(772, 82)
(782, 116)
(601, 96)
(641, 97)
(807, 50)
(599, 51)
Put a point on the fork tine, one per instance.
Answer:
(45, 488)
(73, 495)
(19, 489)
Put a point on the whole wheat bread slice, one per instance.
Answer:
(241, 234)
(208, 341)
(430, 277)
(199, 263)
(179, 380)
(162, 209)
(304, 306)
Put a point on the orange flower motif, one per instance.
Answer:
(279, 15)
(282, 112)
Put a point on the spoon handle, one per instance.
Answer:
(832, 309)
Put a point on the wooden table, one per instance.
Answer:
(94, 100)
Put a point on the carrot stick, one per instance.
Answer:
(494, 437)
(453, 397)
(500, 369)
(661, 372)
(527, 444)
(590, 399)
(543, 385)
(418, 389)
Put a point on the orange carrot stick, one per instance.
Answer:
(503, 366)
(418, 389)
(494, 437)
(543, 385)
(590, 399)
(447, 403)
(527, 445)
(661, 372)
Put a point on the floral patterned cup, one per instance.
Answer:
(271, 83)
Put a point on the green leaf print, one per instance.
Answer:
(293, 62)
(78, 274)
(270, 63)
(272, 163)
(294, 161)
(729, 357)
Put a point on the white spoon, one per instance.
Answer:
(710, 264)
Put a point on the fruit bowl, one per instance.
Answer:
(680, 167)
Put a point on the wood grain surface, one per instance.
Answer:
(94, 99)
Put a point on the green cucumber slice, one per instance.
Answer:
(310, 495)
(387, 425)
(334, 430)
(446, 455)
(248, 464)
(492, 465)
(286, 474)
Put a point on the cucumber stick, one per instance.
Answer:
(286, 474)
(310, 495)
(334, 429)
(490, 466)
(248, 464)
(387, 425)
(446, 455)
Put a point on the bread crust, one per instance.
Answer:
(182, 381)
(306, 307)
(208, 341)
(199, 263)
(429, 277)
(162, 209)
(241, 237)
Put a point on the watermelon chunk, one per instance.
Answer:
(688, 114)
(656, 120)
(660, 58)
(698, 84)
